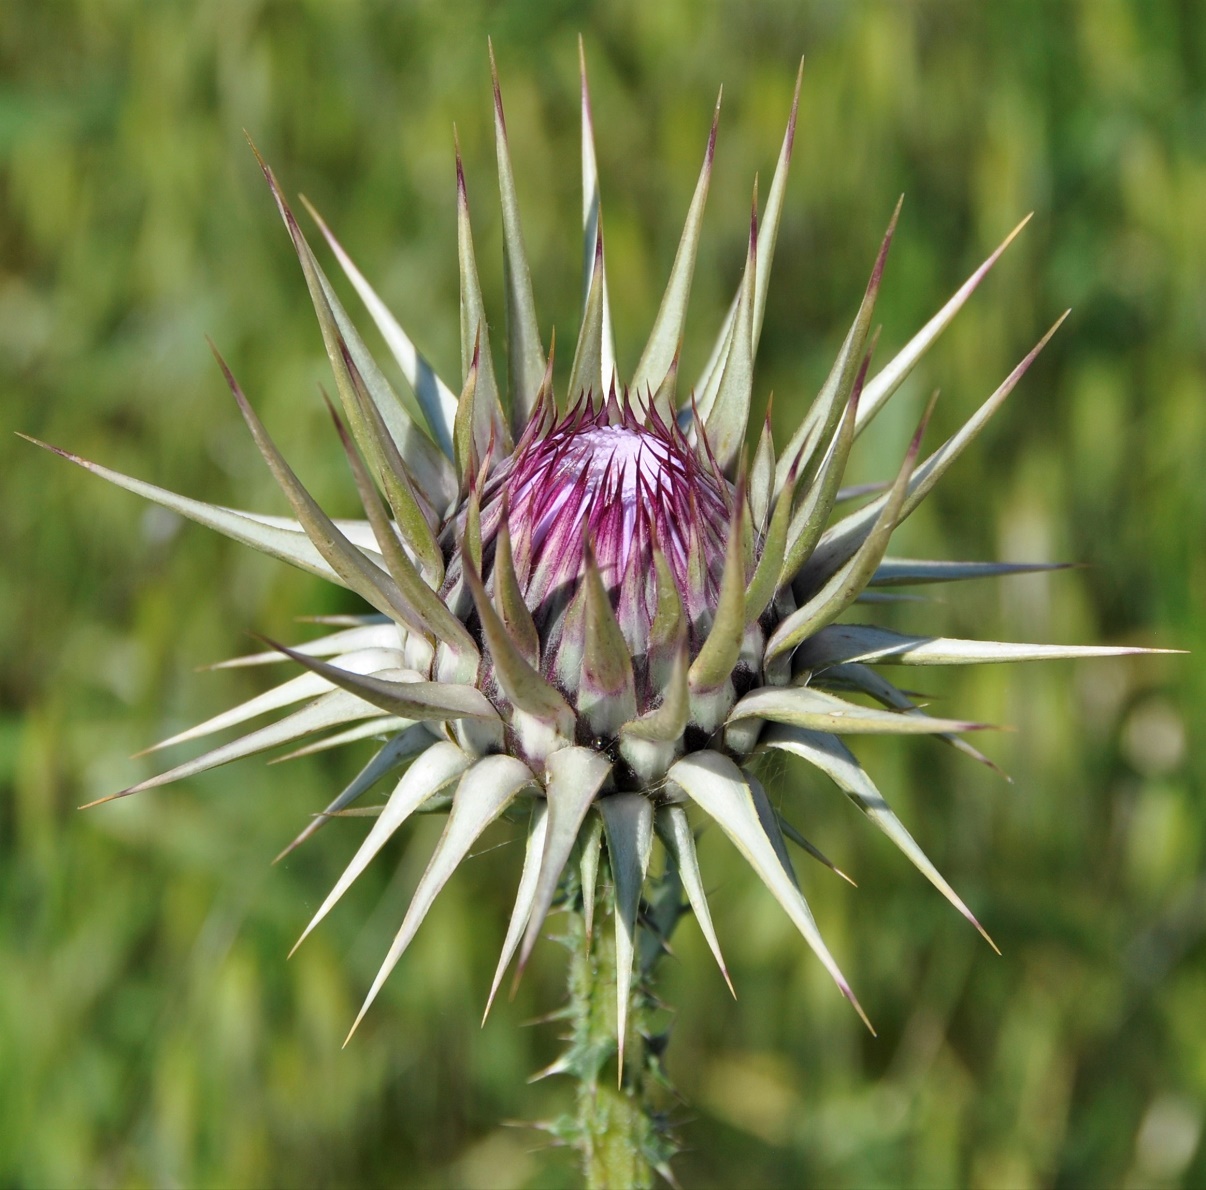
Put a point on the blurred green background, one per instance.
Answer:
(151, 1031)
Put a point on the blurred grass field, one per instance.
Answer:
(151, 1031)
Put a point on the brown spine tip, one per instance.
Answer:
(790, 138)
(57, 450)
(881, 259)
(895, 216)
(919, 433)
(498, 103)
(461, 193)
(228, 375)
(277, 193)
(258, 156)
(710, 155)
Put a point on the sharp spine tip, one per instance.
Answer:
(109, 797)
(355, 1026)
(795, 108)
(710, 152)
(498, 104)
(849, 994)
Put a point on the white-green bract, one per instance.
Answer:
(586, 608)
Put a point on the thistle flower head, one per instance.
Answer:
(584, 605)
(597, 524)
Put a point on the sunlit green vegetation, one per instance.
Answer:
(151, 1031)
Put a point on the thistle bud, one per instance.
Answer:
(587, 610)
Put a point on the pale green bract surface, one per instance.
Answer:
(448, 669)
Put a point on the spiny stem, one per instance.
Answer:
(621, 1130)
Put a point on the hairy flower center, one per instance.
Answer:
(616, 464)
(626, 489)
(628, 492)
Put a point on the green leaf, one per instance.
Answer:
(435, 398)
(769, 821)
(363, 661)
(893, 375)
(860, 642)
(767, 237)
(574, 776)
(586, 372)
(357, 571)
(675, 833)
(398, 484)
(606, 692)
(512, 609)
(427, 608)
(522, 684)
(651, 742)
(339, 333)
(893, 572)
(381, 635)
(424, 701)
(628, 821)
(289, 545)
(358, 531)
(842, 540)
(714, 664)
(831, 756)
(864, 680)
(669, 627)
(592, 222)
(822, 418)
(484, 792)
(762, 473)
(439, 765)
(328, 710)
(665, 339)
(848, 582)
(591, 839)
(809, 520)
(765, 582)
(464, 440)
(719, 788)
(489, 427)
(524, 897)
(816, 853)
(774, 209)
(725, 414)
(396, 751)
(858, 491)
(805, 707)
(525, 353)
(666, 723)
(471, 545)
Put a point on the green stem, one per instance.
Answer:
(620, 1128)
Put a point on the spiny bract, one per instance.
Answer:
(592, 603)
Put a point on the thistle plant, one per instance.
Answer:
(592, 611)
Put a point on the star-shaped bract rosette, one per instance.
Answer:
(585, 609)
